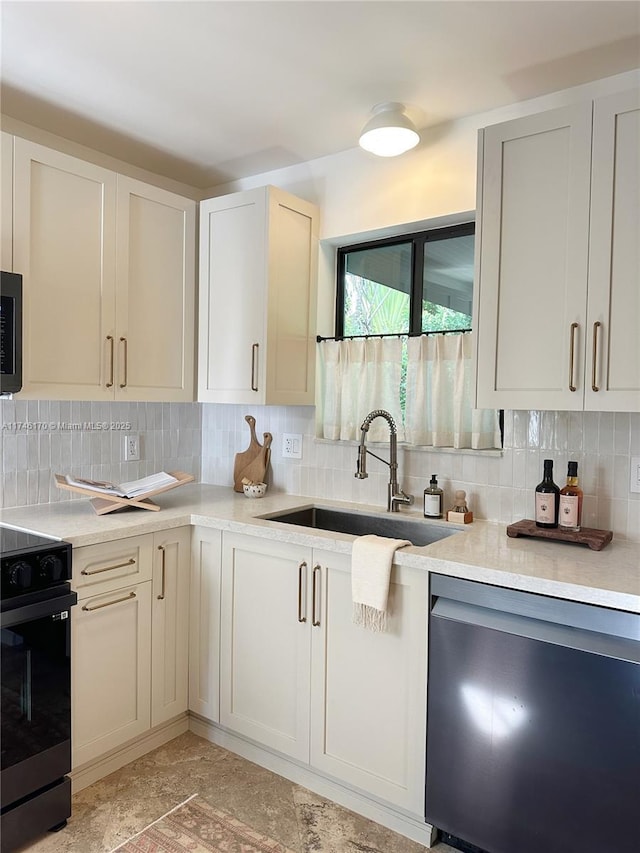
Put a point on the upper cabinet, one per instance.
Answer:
(258, 280)
(6, 200)
(557, 302)
(108, 267)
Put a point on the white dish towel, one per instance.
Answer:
(371, 561)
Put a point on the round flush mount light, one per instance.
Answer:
(389, 131)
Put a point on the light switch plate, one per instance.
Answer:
(634, 477)
(291, 446)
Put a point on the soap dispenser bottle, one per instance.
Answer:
(433, 499)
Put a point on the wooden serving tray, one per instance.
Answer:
(103, 503)
(595, 539)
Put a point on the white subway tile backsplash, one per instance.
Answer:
(204, 438)
(31, 455)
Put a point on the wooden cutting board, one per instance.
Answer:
(253, 462)
(256, 470)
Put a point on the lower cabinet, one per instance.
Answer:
(256, 635)
(128, 646)
(298, 676)
(169, 624)
(265, 642)
(204, 623)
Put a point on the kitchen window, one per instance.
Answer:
(403, 342)
(408, 285)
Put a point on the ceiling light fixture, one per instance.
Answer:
(389, 131)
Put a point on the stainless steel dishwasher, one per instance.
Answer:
(533, 721)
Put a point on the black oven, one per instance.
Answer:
(35, 682)
(10, 332)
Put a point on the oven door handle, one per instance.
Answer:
(38, 610)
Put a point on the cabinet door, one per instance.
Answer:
(6, 200)
(204, 620)
(155, 293)
(530, 302)
(231, 361)
(64, 246)
(368, 691)
(292, 298)
(265, 648)
(170, 624)
(613, 349)
(111, 673)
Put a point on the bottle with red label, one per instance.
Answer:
(570, 516)
(547, 498)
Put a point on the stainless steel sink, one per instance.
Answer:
(359, 524)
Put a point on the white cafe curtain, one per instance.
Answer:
(440, 391)
(357, 376)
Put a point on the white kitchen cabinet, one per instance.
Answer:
(204, 639)
(258, 284)
(129, 639)
(155, 294)
(108, 276)
(111, 647)
(170, 624)
(557, 252)
(6, 202)
(612, 382)
(368, 689)
(64, 246)
(298, 676)
(265, 647)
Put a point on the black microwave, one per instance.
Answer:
(10, 332)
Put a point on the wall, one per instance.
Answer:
(499, 485)
(42, 438)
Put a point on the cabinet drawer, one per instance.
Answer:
(112, 565)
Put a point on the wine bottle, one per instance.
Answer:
(570, 517)
(547, 498)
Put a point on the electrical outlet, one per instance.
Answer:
(634, 476)
(131, 448)
(291, 446)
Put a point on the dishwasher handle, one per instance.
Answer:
(581, 639)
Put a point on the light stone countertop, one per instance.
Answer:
(480, 551)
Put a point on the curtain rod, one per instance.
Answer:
(320, 338)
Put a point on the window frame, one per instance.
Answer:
(418, 239)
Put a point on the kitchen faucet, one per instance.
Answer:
(395, 495)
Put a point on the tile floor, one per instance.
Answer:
(120, 805)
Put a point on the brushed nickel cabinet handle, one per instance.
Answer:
(254, 359)
(594, 370)
(315, 597)
(301, 569)
(130, 562)
(163, 567)
(126, 359)
(572, 348)
(108, 603)
(109, 384)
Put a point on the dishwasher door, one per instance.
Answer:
(533, 721)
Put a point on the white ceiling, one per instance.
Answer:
(206, 92)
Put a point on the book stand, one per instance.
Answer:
(104, 503)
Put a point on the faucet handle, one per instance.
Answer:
(400, 499)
